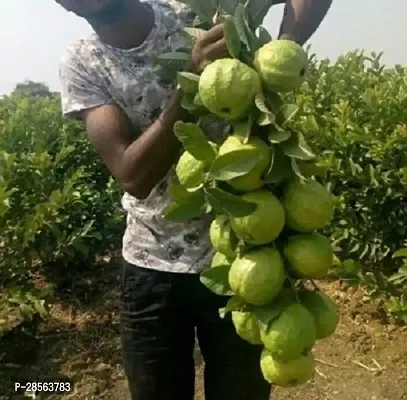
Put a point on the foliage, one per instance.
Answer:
(31, 88)
(356, 109)
(58, 204)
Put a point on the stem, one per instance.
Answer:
(314, 285)
(292, 283)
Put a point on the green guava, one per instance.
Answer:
(282, 65)
(265, 223)
(252, 180)
(246, 326)
(291, 334)
(227, 88)
(310, 255)
(290, 374)
(257, 276)
(190, 171)
(308, 206)
(324, 311)
(219, 259)
(222, 237)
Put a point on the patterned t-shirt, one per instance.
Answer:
(93, 74)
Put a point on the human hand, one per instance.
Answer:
(210, 47)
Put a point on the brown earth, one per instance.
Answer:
(366, 359)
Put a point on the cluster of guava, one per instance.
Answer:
(275, 252)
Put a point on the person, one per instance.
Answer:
(109, 82)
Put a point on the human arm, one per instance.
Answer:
(302, 18)
(139, 160)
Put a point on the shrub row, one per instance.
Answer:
(58, 204)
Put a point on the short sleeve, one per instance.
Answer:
(81, 88)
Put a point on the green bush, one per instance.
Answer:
(355, 112)
(58, 204)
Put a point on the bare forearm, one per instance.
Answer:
(302, 18)
(152, 155)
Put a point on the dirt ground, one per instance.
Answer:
(366, 359)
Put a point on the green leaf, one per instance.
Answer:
(177, 191)
(165, 74)
(266, 117)
(278, 136)
(297, 147)
(261, 103)
(233, 42)
(26, 311)
(39, 306)
(188, 102)
(243, 129)
(230, 5)
(296, 169)
(263, 35)
(234, 164)
(194, 34)
(312, 168)
(198, 100)
(174, 61)
(217, 280)
(240, 24)
(246, 56)
(257, 10)
(286, 113)
(311, 125)
(229, 204)
(267, 314)
(274, 101)
(280, 167)
(186, 208)
(234, 303)
(400, 253)
(403, 172)
(194, 141)
(351, 267)
(188, 82)
(206, 10)
(403, 271)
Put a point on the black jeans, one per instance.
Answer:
(160, 314)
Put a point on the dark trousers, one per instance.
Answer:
(160, 314)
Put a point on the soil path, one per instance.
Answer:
(366, 359)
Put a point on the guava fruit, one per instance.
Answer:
(252, 180)
(265, 223)
(190, 171)
(219, 259)
(291, 334)
(290, 374)
(222, 237)
(310, 255)
(324, 311)
(246, 326)
(257, 276)
(282, 65)
(308, 206)
(227, 88)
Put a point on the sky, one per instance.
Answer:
(34, 34)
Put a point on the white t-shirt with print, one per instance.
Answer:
(93, 74)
